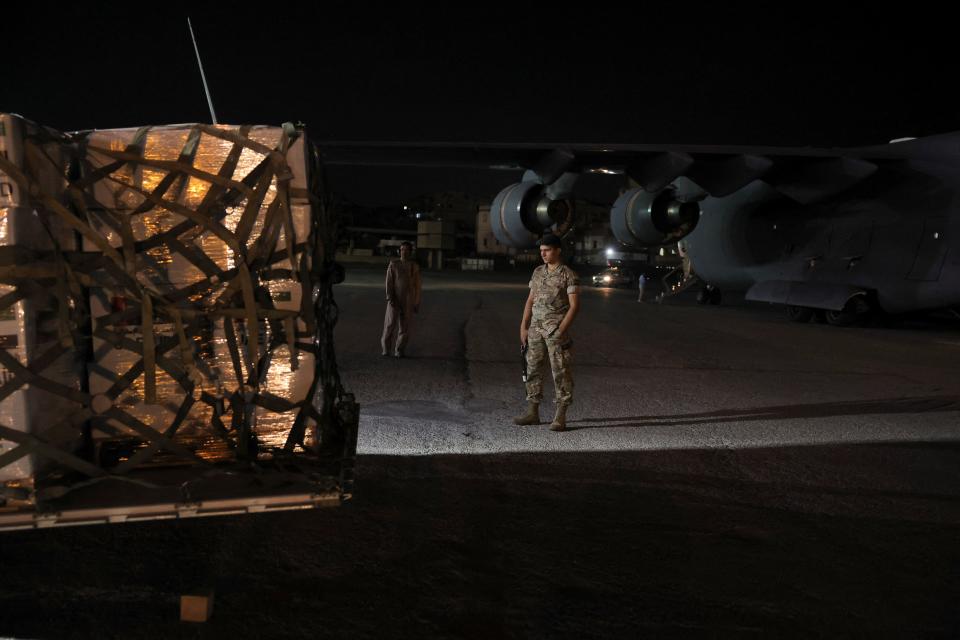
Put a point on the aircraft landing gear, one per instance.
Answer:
(799, 314)
(856, 311)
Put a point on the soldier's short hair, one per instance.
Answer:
(550, 240)
(406, 243)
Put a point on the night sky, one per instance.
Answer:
(801, 76)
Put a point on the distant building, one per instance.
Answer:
(367, 241)
(434, 239)
(591, 248)
(450, 206)
(487, 243)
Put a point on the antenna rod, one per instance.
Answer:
(203, 76)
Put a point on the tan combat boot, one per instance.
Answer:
(560, 420)
(531, 416)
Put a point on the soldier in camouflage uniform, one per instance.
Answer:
(551, 306)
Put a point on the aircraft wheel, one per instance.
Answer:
(715, 296)
(799, 314)
(854, 312)
(842, 318)
(703, 296)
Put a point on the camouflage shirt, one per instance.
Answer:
(551, 296)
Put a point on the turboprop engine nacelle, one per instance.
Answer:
(523, 211)
(644, 218)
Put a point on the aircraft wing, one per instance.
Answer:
(804, 174)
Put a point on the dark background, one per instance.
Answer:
(806, 74)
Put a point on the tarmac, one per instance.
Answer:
(727, 473)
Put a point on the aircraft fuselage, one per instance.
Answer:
(895, 237)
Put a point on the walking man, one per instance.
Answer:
(403, 301)
(551, 306)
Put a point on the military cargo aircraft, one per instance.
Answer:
(836, 232)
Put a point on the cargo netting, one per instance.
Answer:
(167, 294)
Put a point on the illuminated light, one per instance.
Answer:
(606, 278)
(663, 252)
(406, 208)
(610, 253)
(936, 235)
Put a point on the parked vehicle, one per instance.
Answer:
(615, 277)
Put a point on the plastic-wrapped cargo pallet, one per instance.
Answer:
(30, 327)
(290, 371)
(192, 301)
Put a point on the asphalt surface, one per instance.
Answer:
(647, 376)
(727, 474)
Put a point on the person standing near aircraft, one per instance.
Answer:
(403, 288)
(552, 304)
(641, 283)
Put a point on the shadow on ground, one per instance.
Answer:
(794, 541)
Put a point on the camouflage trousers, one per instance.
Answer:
(539, 349)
